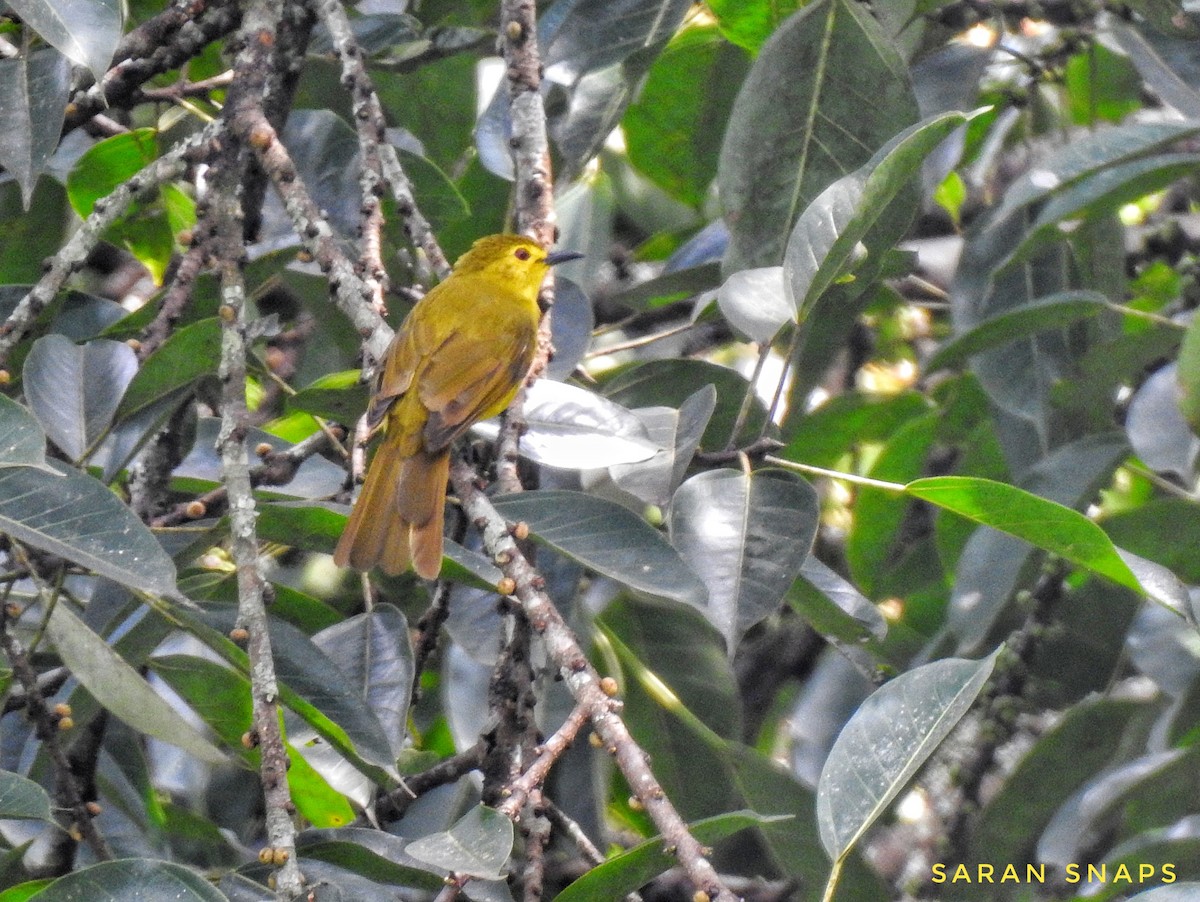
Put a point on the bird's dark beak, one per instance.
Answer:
(562, 257)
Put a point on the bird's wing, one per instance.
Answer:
(460, 385)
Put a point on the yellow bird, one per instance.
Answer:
(458, 358)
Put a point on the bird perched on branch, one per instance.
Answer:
(458, 358)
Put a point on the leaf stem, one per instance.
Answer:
(868, 482)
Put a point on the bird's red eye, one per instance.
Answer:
(521, 253)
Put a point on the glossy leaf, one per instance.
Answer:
(373, 651)
(607, 538)
(755, 302)
(1053, 312)
(829, 63)
(341, 397)
(747, 538)
(74, 390)
(572, 428)
(33, 100)
(1088, 154)
(678, 433)
(130, 879)
(373, 854)
(70, 514)
(84, 31)
(887, 740)
(181, 360)
(316, 688)
(824, 243)
(1040, 522)
(571, 328)
(120, 688)
(22, 442)
(834, 606)
(672, 382)
(478, 845)
(622, 874)
(21, 798)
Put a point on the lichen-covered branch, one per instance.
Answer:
(584, 684)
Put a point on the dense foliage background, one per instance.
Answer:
(872, 417)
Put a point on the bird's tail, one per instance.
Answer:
(398, 517)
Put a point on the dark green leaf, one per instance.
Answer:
(678, 432)
(341, 397)
(671, 382)
(131, 880)
(477, 845)
(181, 360)
(22, 442)
(74, 516)
(887, 740)
(74, 390)
(373, 854)
(1043, 314)
(1060, 762)
(828, 64)
(624, 873)
(374, 652)
(607, 538)
(1189, 375)
(823, 245)
(33, 99)
(833, 606)
(747, 538)
(86, 33)
(120, 688)
(23, 799)
(1088, 154)
(671, 285)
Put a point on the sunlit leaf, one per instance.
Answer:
(887, 740)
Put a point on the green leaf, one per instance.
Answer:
(341, 397)
(834, 606)
(22, 442)
(120, 688)
(669, 129)
(1188, 375)
(132, 880)
(86, 32)
(670, 286)
(756, 302)
(74, 390)
(678, 432)
(621, 874)
(34, 89)
(189, 354)
(373, 854)
(1041, 315)
(220, 696)
(747, 538)
(70, 514)
(1087, 154)
(1042, 523)
(318, 802)
(847, 422)
(823, 245)
(607, 538)
(477, 845)
(671, 382)
(23, 799)
(107, 164)
(22, 892)
(748, 23)
(887, 740)
(374, 652)
(785, 141)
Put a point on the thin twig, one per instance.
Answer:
(548, 752)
